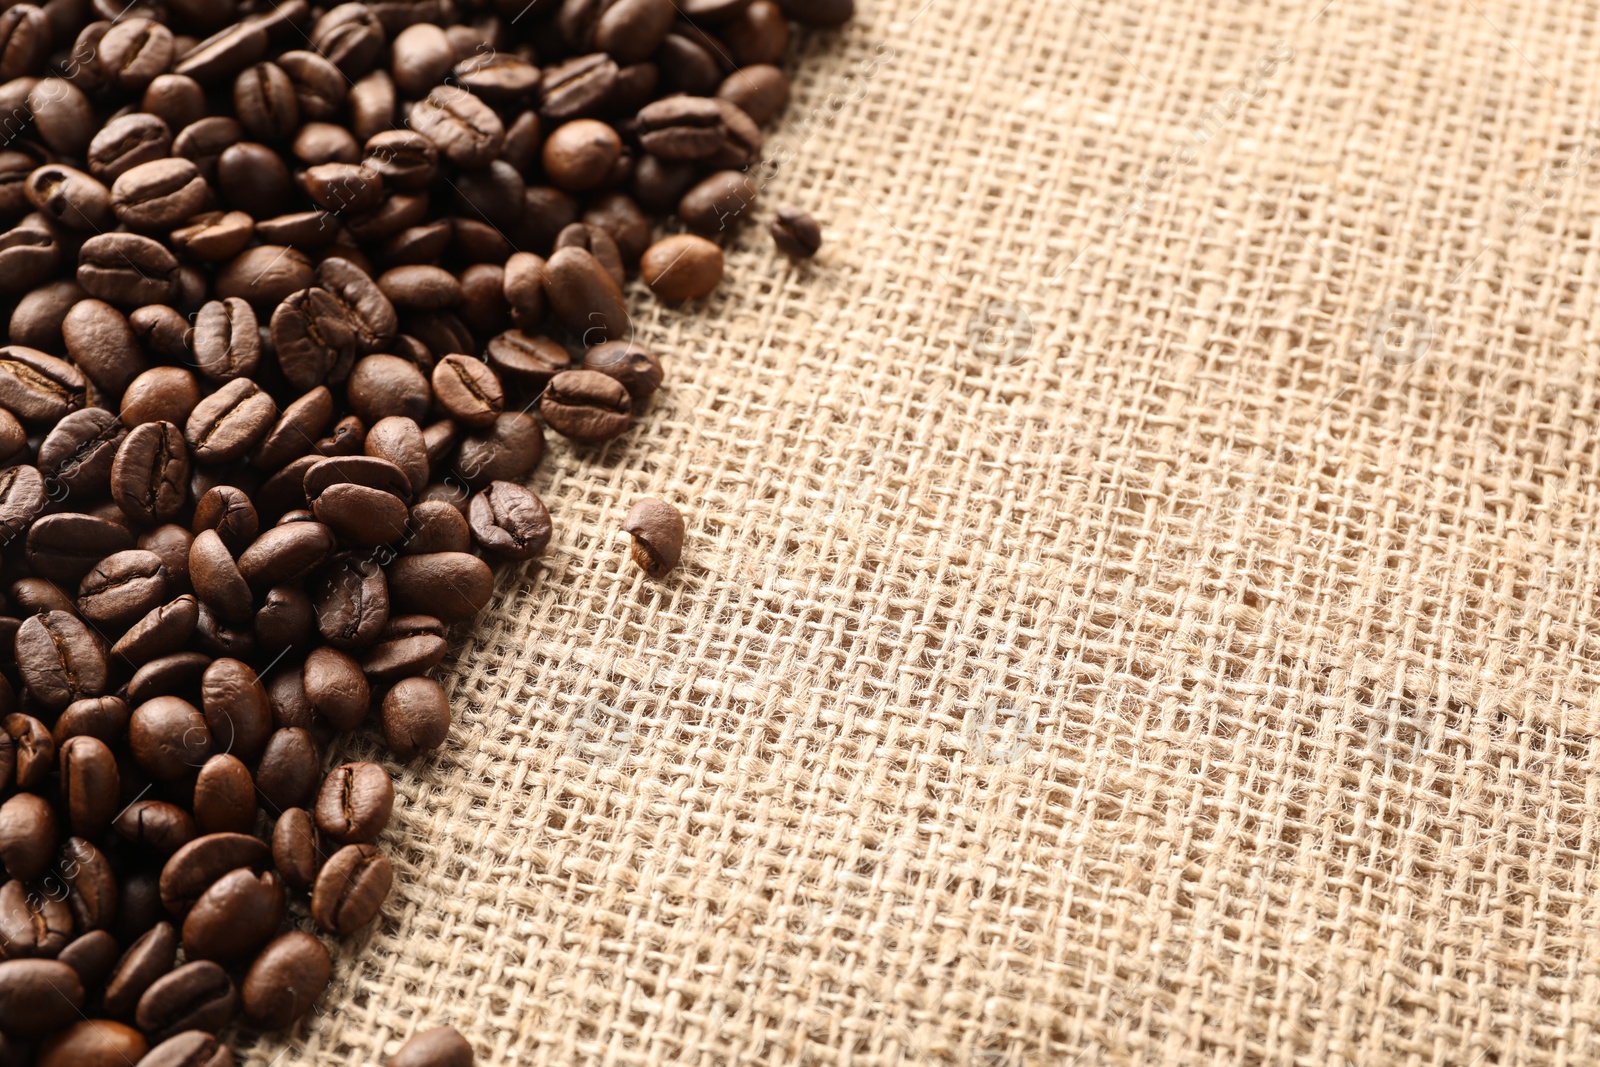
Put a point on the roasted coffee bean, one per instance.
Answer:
(463, 128)
(192, 1048)
(66, 546)
(796, 233)
(146, 960)
(436, 526)
(23, 496)
(506, 451)
(627, 30)
(168, 737)
(36, 322)
(290, 768)
(286, 980)
(350, 595)
(500, 79)
(33, 749)
(366, 307)
(191, 870)
(453, 586)
(758, 34)
(579, 155)
(128, 270)
(523, 282)
(227, 340)
(434, 1048)
(228, 423)
(157, 196)
(237, 713)
(38, 997)
(350, 889)
(336, 688)
(760, 91)
(264, 276)
(150, 476)
(416, 717)
(323, 142)
(89, 785)
(92, 955)
(123, 588)
(577, 87)
(314, 338)
(178, 673)
(596, 242)
(719, 203)
(63, 117)
(351, 37)
(59, 659)
(468, 390)
(509, 521)
(162, 631)
(156, 824)
(138, 905)
(420, 288)
(587, 406)
(583, 296)
(223, 54)
(657, 531)
(36, 596)
(217, 580)
(407, 161)
(160, 394)
(299, 425)
(224, 796)
(527, 360)
(91, 884)
(410, 645)
(234, 917)
(698, 129)
(32, 925)
(398, 440)
(213, 236)
(631, 364)
(175, 99)
(296, 852)
(423, 56)
(24, 40)
(28, 835)
(286, 554)
(69, 197)
(104, 718)
(230, 512)
(285, 619)
(102, 343)
(37, 387)
(197, 996)
(134, 52)
(93, 1043)
(79, 452)
(682, 267)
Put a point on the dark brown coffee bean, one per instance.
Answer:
(337, 688)
(682, 267)
(228, 423)
(587, 406)
(583, 296)
(38, 997)
(172, 675)
(127, 270)
(227, 340)
(314, 338)
(150, 476)
(237, 713)
(123, 588)
(79, 451)
(64, 547)
(631, 364)
(89, 785)
(69, 197)
(217, 579)
(197, 996)
(36, 322)
(434, 1048)
(160, 394)
(698, 129)
(138, 905)
(91, 884)
(223, 54)
(286, 980)
(29, 253)
(579, 155)
(102, 344)
(252, 177)
(351, 37)
(147, 959)
(509, 521)
(383, 385)
(93, 1043)
(796, 233)
(500, 79)
(344, 187)
(398, 440)
(296, 851)
(410, 645)
(160, 195)
(104, 718)
(423, 56)
(38, 388)
(33, 749)
(526, 359)
(468, 390)
(463, 128)
(164, 332)
(406, 160)
(286, 554)
(496, 194)
(192, 1048)
(28, 835)
(292, 435)
(436, 526)
(719, 204)
(523, 281)
(192, 869)
(234, 917)
(416, 717)
(759, 34)
(350, 889)
(156, 824)
(63, 117)
(420, 288)
(225, 796)
(657, 531)
(231, 513)
(483, 303)
(134, 52)
(264, 276)
(24, 40)
(619, 216)
(169, 738)
(440, 439)
(453, 586)
(350, 595)
(597, 243)
(92, 955)
(285, 619)
(760, 91)
(323, 142)
(213, 236)
(175, 99)
(506, 451)
(290, 768)
(36, 596)
(59, 659)
(627, 30)
(32, 925)
(577, 87)
(355, 803)
(824, 14)
(367, 309)
(162, 631)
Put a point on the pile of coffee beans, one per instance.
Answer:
(292, 293)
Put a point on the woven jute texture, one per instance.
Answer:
(1140, 604)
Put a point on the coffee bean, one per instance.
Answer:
(28, 835)
(123, 588)
(234, 917)
(191, 870)
(231, 513)
(146, 960)
(416, 717)
(587, 406)
(168, 737)
(421, 288)
(134, 52)
(509, 521)
(435, 526)
(36, 596)
(33, 749)
(70, 198)
(682, 267)
(92, 955)
(89, 785)
(463, 128)
(156, 824)
(228, 423)
(290, 768)
(657, 531)
(596, 242)
(264, 275)
(79, 452)
(225, 796)
(760, 91)
(37, 387)
(150, 475)
(350, 889)
(450, 585)
(32, 925)
(234, 703)
(336, 688)
(719, 203)
(63, 117)
(197, 996)
(796, 233)
(398, 440)
(128, 270)
(526, 359)
(297, 427)
(59, 659)
(192, 1048)
(286, 980)
(217, 580)
(434, 1048)
(698, 129)
(38, 996)
(583, 296)
(506, 451)
(633, 365)
(296, 851)
(172, 675)
(286, 554)
(500, 79)
(66, 546)
(162, 631)
(91, 884)
(468, 390)
(104, 718)
(422, 55)
(223, 54)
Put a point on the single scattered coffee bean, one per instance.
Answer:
(657, 531)
(443, 1047)
(796, 233)
(350, 889)
(416, 717)
(682, 267)
(587, 406)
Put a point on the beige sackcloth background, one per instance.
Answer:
(1140, 605)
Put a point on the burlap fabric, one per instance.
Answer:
(1140, 605)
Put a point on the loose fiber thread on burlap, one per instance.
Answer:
(1138, 609)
